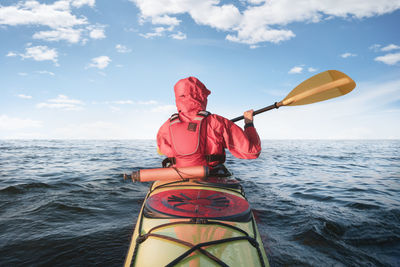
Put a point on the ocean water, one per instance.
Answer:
(317, 203)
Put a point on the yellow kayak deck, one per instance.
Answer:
(196, 223)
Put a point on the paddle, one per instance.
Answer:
(323, 86)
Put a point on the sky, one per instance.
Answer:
(98, 69)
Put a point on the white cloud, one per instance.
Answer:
(55, 15)
(62, 102)
(100, 62)
(311, 69)
(258, 34)
(178, 36)
(165, 20)
(224, 17)
(123, 102)
(347, 54)
(80, 3)
(296, 70)
(122, 49)
(258, 21)
(390, 47)
(61, 34)
(40, 53)
(167, 109)
(11, 54)
(45, 72)
(300, 69)
(389, 59)
(205, 12)
(157, 32)
(65, 99)
(97, 32)
(9, 123)
(375, 47)
(24, 96)
(58, 16)
(149, 102)
(131, 29)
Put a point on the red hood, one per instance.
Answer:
(190, 95)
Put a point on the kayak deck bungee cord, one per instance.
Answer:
(204, 222)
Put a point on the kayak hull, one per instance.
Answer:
(196, 223)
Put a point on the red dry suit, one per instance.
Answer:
(194, 137)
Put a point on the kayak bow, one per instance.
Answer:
(205, 222)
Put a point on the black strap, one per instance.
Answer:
(249, 124)
(168, 162)
(251, 240)
(216, 157)
(174, 117)
(203, 113)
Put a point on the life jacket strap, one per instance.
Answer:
(200, 115)
(167, 162)
(216, 157)
(174, 117)
(203, 113)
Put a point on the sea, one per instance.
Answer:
(316, 202)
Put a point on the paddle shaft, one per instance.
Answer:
(258, 111)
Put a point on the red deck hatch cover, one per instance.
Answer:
(198, 203)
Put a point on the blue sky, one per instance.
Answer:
(97, 69)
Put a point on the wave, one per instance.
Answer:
(327, 238)
(23, 188)
(99, 248)
(313, 197)
(362, 206)
(63, 209)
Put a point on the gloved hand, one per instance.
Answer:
(248, 116)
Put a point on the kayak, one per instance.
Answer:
(196, 222)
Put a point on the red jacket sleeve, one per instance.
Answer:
(242, 144)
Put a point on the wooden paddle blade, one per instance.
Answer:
(325, 85)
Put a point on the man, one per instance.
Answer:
(194, 137)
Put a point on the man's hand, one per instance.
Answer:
(248, 116)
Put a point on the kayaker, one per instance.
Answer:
(194, 137)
